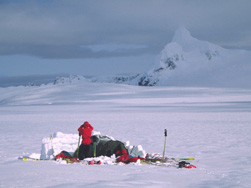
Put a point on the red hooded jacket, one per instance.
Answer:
(86, 131)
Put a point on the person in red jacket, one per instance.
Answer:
(85, 131)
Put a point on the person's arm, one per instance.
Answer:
(80, 130)
(90, 127)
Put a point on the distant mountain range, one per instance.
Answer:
(185, 61)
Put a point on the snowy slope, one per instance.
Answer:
(187, 61)
(210, 124)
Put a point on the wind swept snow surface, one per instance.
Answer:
(211, 125)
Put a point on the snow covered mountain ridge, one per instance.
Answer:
(182, 56)
(187, 61)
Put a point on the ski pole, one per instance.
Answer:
(52, 145)
(164, 146)
(94, 140)
(94, 149)
(78, 145)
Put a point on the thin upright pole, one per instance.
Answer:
(164, 146)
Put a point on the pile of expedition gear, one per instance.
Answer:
(95, 146)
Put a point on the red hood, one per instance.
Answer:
(86, 124)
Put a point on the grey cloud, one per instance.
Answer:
(69, 51)
(57, 29)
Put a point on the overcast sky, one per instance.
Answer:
(110, 36)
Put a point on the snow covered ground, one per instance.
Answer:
(212, 125)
